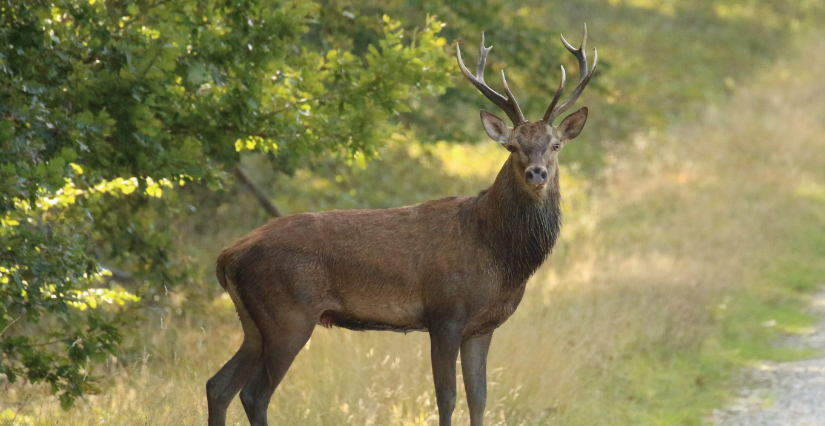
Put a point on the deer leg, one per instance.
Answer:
(280, 346)
(257, 380)
(225, 384)
(474, 368)
(444, 344)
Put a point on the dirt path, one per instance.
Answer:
(786, 393)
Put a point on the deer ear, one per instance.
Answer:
(571, 126)
(496, 128)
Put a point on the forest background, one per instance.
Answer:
(138, 138)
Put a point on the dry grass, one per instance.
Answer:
(697, 237)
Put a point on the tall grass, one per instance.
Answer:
(695, 252)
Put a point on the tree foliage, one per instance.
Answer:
(108, 108)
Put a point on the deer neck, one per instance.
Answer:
(519, 229)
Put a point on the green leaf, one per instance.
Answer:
(68, 154)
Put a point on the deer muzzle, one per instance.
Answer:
(536, 175)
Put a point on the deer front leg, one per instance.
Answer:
(474, 368)
(444, 344)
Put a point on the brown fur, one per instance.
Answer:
(400, 269)
(456, 267)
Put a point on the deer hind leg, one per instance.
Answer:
(281, 343)
(225, 384)
(250, 388)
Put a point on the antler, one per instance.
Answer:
(508, 104)
(554, 111)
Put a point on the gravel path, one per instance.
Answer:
(784, 393)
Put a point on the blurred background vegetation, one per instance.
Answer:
(693, 201)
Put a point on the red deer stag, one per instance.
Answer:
(455, 267)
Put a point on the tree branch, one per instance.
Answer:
(8, 326)
(265, 202)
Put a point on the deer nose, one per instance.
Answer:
(537, 175)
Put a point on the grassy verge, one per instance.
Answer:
(725, 221)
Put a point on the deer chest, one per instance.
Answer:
(496, 312)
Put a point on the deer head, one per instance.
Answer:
(534, 145)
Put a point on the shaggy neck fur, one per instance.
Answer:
(519, 229)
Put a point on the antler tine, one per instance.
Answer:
(584, 77)
(508, 104)
(548, 114)
(511, 100)
(578, 53)
(482, 59)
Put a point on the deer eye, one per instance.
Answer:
(510, 148)
(556, 146)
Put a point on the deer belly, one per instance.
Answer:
(401, 318)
